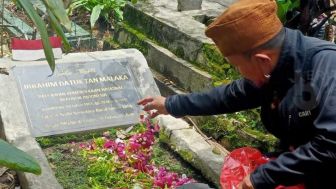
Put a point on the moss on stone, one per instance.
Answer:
(110, 43)
(216, 151)
(139, 20)
(186, 155)
(137, 33)
(221, 70)
(153, 28)
(212, 54)
(261, 136)
(163, 137)
(135, 40)
(179, 52)
(230, 133)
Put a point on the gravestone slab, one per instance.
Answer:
(84, 94)
(186, 5)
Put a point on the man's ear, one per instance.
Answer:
(261, 58)
(264, 61)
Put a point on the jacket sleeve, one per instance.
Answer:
(319, 153)
(238, 95)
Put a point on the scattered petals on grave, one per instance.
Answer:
(126, 163)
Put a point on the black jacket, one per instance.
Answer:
(298, 106)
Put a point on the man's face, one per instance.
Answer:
(252, 69)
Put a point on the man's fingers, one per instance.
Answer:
(144, 101)
(149, 106)
(154, 114)
(154, 103)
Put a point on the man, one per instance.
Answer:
(292, 78)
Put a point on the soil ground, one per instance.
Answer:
(8, 179)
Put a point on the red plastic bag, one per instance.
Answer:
(241, 162)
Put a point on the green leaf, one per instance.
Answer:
(58, 28)
(74, 5)
(33, 15)
(95, 14)
(295, 4)
(16, 159)
(57, 8)
(284, 6)
(134, 1)
(119, 14)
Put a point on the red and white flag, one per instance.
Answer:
(26, 50)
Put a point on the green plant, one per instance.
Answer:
(110, 10)
(285, 6)
(16, 159)
(57, 16)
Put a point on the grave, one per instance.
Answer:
(87, 91)
(35, 102)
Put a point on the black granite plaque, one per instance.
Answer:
(78, 96)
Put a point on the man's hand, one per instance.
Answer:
(246, 183)
(154, 103)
